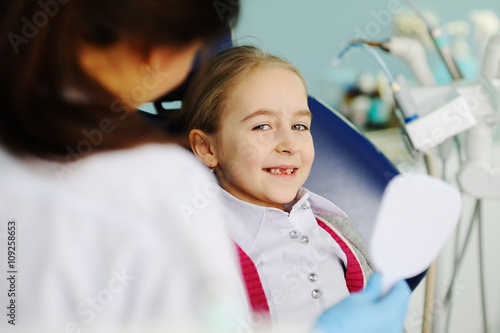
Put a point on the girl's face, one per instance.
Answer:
(264, 148)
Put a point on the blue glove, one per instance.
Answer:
(366, 312)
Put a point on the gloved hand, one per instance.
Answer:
(367, 312)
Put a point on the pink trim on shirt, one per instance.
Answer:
(253, 284)
(354, 277)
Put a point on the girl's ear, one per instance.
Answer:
(201, 146)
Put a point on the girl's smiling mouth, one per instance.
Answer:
(281, 170)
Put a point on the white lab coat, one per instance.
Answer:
(131, 237)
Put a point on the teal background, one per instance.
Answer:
(311, 33)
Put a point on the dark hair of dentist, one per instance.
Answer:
(47, 99)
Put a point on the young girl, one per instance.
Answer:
(249, 121)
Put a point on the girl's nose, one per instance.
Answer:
(287, 143)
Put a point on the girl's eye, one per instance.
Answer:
(300, 127)
(262, 127)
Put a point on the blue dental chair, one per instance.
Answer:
(348, 169)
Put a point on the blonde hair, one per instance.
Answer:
(206, 98)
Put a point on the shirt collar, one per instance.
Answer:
(244, 219)
(324, 206)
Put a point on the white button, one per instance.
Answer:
(313, 277)
(305, 206)
(316, 293)
(294, 234)
(304, 239)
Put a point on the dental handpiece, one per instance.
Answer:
(441, 42)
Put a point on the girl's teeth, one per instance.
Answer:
(278, 171)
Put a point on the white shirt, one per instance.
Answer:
(132, 237)
(300, 265)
